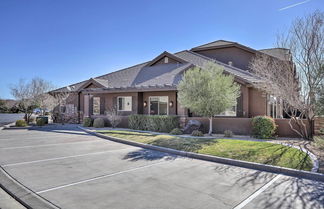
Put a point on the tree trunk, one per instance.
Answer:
(210, 126)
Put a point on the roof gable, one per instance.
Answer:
(161, 59)
(222, 44)
(94, 83)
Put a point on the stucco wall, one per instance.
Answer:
(242, 126)
(257, 103)
(318, 125)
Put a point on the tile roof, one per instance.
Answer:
(144, 76)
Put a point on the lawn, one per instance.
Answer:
(259, 152)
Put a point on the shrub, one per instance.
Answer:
(263, 127)
(40, 121)
(159, 123)
(87, 122)
(197, 133)
(319, 142)
(21, 123)
(228, 133)
(176, 131)
(114, 117)
(322, 131)
(99, 123)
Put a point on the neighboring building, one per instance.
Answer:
(151, 87)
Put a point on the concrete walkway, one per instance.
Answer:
(72, 169)
(7, 202)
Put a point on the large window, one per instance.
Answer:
(124, 103)
(274, 108)
(229, 112)
(159, 105)
(96, 105)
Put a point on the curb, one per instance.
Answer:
(22, 194)
(19, 192)
(228, 161)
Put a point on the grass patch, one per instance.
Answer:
(259, 152)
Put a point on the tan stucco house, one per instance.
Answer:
(151, 87)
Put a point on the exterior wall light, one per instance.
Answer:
(145, 103)
(171, 104)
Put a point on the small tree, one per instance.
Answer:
(29, 94)
(53, 103)
(296, 81)
(208, 91)
(114, 117)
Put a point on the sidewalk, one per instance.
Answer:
(7, 202)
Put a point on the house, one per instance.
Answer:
(151, 87)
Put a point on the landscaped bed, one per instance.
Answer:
(259, 152)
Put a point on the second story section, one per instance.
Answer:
(237, 55)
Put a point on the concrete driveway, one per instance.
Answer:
(75, 170)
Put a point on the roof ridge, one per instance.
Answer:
(214, 42)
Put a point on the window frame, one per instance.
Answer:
(93, 103)
(131, 104)
(149, 109)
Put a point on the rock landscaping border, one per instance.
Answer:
(239, 163)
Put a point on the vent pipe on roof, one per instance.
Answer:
(230, 63)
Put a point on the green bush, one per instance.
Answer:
(21, 123)
(176, 131)
(263, 127)
(99, 123)
(319, 142)
(197, 133)
(40, 121)
(159, 123)
(87, 122)
(322, 131)
(228, 133)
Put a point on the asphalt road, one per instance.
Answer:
(75, 170)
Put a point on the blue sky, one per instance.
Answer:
(67, 41)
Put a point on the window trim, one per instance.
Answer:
(98, 105)
(149, 109)
(130, 104)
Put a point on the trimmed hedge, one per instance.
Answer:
(263, 127)
(99, 123)
(40, 121)
(87, 122)
(21, 123)
(176, 131)
(158, 123)
(228, 133)
(197, 133)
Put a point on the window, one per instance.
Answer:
(159, 105)
(274, 108)
(124, 103)
(70, 109)
(230, 112)
(96, 105)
